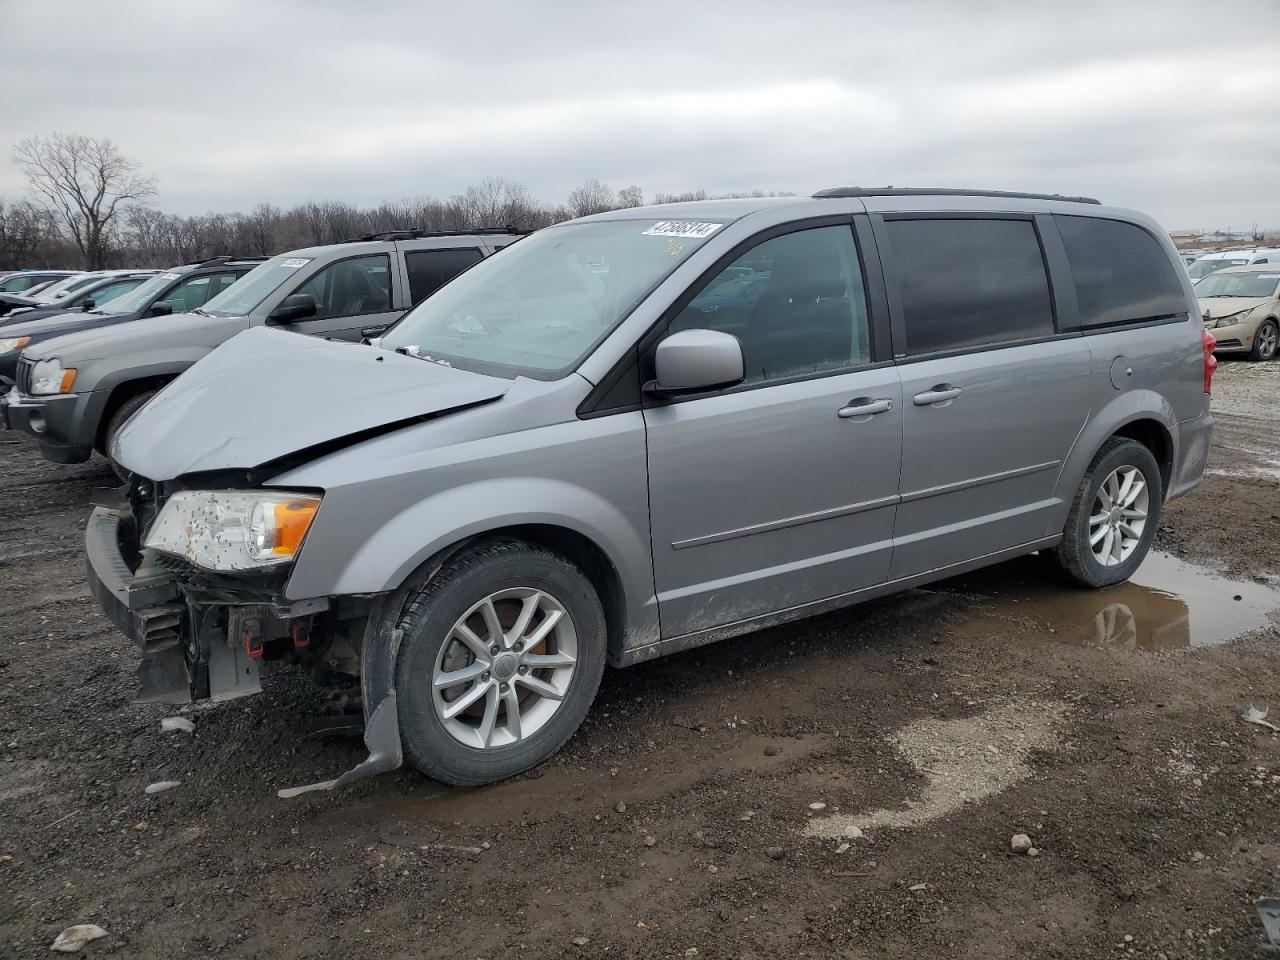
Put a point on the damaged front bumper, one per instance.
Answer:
(206, 642)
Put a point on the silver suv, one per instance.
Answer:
(646, 430)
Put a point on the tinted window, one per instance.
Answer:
(429, 270)
(108, 292)
(352, 287)
(1121, 273)
(966, 283)
(796, 303)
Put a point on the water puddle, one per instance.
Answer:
(1167, 605)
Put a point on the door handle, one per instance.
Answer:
(372, 331)
(942, 393)
(864, 407)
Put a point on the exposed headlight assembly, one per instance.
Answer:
(229, 530)
(48, 377)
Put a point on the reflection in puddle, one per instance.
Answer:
(1166, 605)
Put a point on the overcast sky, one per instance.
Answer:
(1170, 107)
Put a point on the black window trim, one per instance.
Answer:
(613, 395)
(391, 299)
(1061, 295)
(1135, 323)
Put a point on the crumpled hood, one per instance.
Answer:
(1216, 307)
(267, 393)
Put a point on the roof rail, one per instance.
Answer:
(943, 192)
(415, 234)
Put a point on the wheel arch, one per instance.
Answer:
(121, 394)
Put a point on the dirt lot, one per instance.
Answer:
(681, 820)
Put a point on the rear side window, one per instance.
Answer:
(429, 270)
(968, 283)
(1122, 274)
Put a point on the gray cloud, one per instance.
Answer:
(1168, 106)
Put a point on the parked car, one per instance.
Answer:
(178, 289)
(77, 293)
(547, 466)
(28, 282)
(344, 291)
(1241, 308)
(1213, 262)
(52, 292)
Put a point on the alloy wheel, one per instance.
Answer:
(1119, 516)
(1268, 339)
(505, 668)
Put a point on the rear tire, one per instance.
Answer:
(118, 420)
(1113, 517)
(547, 684)
(1265, 341)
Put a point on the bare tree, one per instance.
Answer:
(84, 182)
(631, 196)
(592, 197)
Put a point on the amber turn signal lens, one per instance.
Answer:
(292, 520)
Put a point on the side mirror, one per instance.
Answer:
(293, 308)
(160, 309)
(87, 304)
(697, 360)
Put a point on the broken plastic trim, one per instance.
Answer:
(381, 736)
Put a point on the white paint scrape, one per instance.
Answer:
(962, 761)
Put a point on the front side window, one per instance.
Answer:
(539, 307)
(796, 303)
(1121, 273)
(429, 270)
(140, 297)
(57, 291)
(1239, 285)
(196, 292)
(109, 291)
(19, 283)
(970, 282)
(350, 288)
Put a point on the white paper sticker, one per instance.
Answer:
(295, 262)
(171, 276)
(1269, 276)
(682, 228)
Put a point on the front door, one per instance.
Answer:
(780, 491)
(350, 295)
(992, 401)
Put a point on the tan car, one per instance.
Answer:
(1241, 308)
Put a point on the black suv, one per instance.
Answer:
(177, 290)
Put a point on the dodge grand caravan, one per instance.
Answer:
(645, 430)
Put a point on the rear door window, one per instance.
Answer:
(1121, 273)
(196, 291)
(429, 270)
(108, 292)
(970, 282)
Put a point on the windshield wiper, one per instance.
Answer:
(202, 311)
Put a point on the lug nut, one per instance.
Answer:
(518, 647)
(502, 687)
(485, 675)
(523, 669)
(493, 651)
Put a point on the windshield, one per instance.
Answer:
(139, 297)
(541, 304)
(240, 299)
(60, 289)
(1204, 266)
(1238, 285)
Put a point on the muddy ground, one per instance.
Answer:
(678, 822)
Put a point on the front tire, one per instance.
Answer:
(117, 422)
(1113, 517)
(501, 655)
(1266, 341)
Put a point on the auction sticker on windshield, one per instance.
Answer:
(682, 228)
(294, 262)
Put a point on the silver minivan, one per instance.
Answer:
(641, 431)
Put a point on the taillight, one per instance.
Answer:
(1210, 361)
